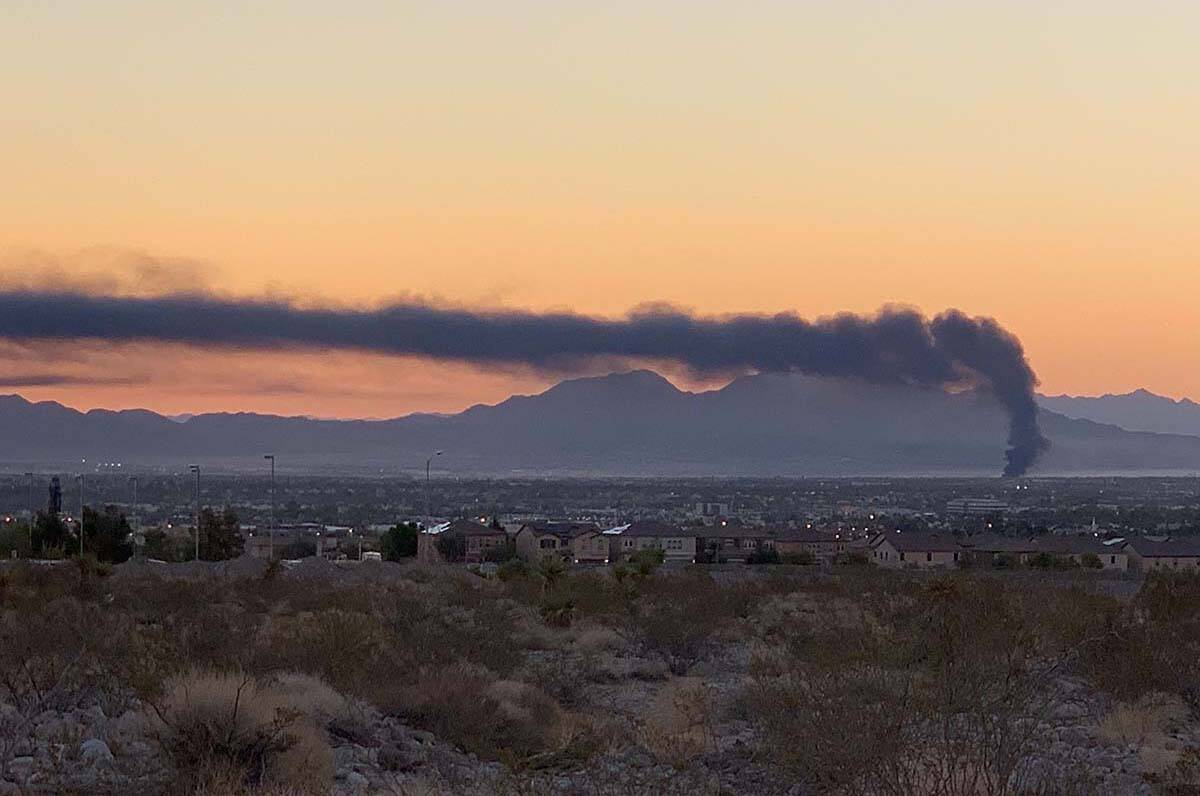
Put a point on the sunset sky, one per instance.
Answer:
(1037, 162)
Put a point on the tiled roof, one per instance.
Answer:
(466, 528)
(1171, 548)
(923, 542)
(563, 530)
(655, 528)
(805, 536)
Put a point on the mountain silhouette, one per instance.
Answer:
(635, 423)
(1140, 410)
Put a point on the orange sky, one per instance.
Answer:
(1035, 162)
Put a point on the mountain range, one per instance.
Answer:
(635, 423)
(1140, 410)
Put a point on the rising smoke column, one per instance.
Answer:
(894, 346)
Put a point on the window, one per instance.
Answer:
(902, 556)
(547, 544)
(929, 556)
(1112, 559)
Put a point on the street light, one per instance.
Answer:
(428, 508)
(80, 476)
(31, 517)
(195, 468)
(271, 539)
(133, 506)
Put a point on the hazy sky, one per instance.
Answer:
(1032, 161)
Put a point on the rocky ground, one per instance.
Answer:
(633, 720)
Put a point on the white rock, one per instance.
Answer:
(95, 752)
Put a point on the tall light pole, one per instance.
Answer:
(133, 506)
(428, 508)
(271, 539)
(195, 468)
(29, 497)
(81, 515)
(139, 541)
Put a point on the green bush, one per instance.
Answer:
(765, 555)
(399, 542)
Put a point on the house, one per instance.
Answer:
(1084, 550)
(729, 543)
(921, 550)
(678, 545)
(820, 545)
(574, 542)
(476, 539)
(1148, 555)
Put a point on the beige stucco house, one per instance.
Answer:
(679, 545)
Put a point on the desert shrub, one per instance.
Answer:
(495, 719)
(334, 645)
(513, 570)
(677, 615)
(594, 595)
(1090, 561)
(646, 562)
(1151, 645)
(1006, 561)
(558, 608)
(854, 558)
(802, 557)
(939, 695)
(208, 722)
(681, 723)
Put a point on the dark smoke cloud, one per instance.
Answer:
(896, 345)
(64, 380)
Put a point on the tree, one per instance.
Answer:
(399, 542)
(452, 546)
(106, 534)
(49, 535)
(161, 547)
(220, 535)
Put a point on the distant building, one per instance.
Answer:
(707, 509)
(820, 545)
(978, 507)
(574, 542)
(921, 550)
(477, 540)
(728, 543)
(678, 545)
(1147, 555)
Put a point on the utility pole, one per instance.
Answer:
(32, 517)
(428, 508)
(195, 468)
(271, 539)
(81, 515)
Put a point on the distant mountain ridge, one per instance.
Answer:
(1140, 410)
(635, 423)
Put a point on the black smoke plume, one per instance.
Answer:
(948, 351)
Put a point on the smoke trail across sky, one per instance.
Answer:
(893, 346)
